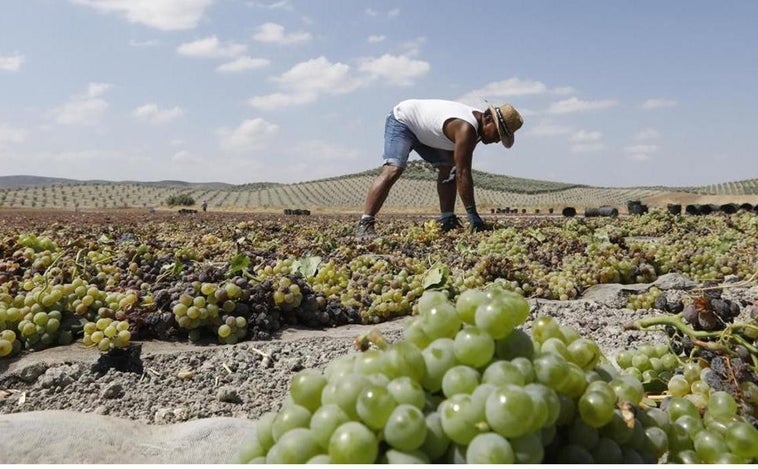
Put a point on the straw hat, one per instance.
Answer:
(508, 121)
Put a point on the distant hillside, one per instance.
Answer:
(27, 181)
(39, 181)
(420, 170)
(414, 192)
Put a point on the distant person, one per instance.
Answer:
(444, 133)
(205, 206)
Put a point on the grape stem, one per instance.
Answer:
(259, 352)
(675, 321)
(669, 320)
(364, 341)
(744, 283)
(696, 336)
(46, 276)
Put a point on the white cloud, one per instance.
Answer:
(577, 105)
(584, 136)
(283, 4)
(647, 134)
(513, 87)
(243, 63)
(413, 48)
(641, 149)
(498, 90)
(274, 33)
(97, 89)
(322, 151)
(527, 112)
(183, 156)
(306, 81)
(275, 101)
(84, 109)
(640, 152)
(145, 43)
(167, 15)
(548, 128)
(374, 38)
(319, 75)
(657, 103)
(151, 113)
(12, 134)
(249, 135)
(563, 90)
(395, 70)
(11, 63)
(587, 147)
(639, 156)
(211, 48)
(390, 13)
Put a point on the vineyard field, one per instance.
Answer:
(414, 192)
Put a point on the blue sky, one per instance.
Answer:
(613, 93)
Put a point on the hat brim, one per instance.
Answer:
(505, 139)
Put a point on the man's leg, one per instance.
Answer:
(380, 189)
(446, 189)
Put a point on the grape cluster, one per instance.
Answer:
(106, 334)
(710, 312)
(232, 329)
(466, 384)
(41, 329)
(8, 343)
(645, 300)
(648, 362)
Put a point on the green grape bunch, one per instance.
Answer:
(466, 384)
(106, 334)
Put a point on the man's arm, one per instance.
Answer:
(465, 138)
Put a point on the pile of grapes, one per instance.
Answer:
(218, 278)
(710, 331)
(466, 384)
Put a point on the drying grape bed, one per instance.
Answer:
(234, 278)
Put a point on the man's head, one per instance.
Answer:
(506, 121)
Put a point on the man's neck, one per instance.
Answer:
(480, 127)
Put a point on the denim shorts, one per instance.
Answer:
(399, 141)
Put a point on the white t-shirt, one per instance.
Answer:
(425, 118)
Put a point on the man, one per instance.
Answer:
(444, 133)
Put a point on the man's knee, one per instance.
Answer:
(391, 172)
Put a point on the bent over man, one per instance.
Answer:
(444, 133)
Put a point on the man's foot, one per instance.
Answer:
(478, 227)
(365, 229)
(450, 223)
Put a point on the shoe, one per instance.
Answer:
(450, 223)
(365, 229)
(479, 227)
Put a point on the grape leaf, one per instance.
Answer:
(307, 266)
(105, 239)
(434, 277)
(239, 263)
(463, 248)
(536, 234)
(175, 268)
